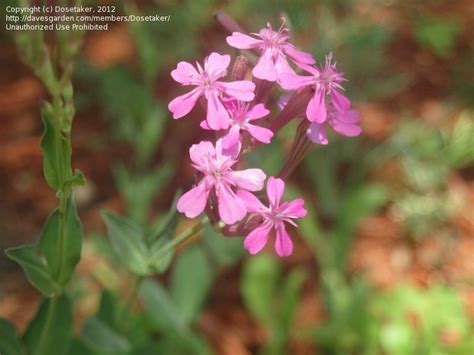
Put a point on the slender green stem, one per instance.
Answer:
(188, 233)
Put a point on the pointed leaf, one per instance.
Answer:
(56, 153)
(258, 286)
(191, 278)
(128, 242)
(50, 331)
(35, 266)
(161, 309)
(101, 337)
(63, 267)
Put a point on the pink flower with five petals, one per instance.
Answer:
(215, 164)
(326, 81)
(208, 84)
(274, 217)
(274, 47)
(346, 124)
(241, 118)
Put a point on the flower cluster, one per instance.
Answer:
(237, 110)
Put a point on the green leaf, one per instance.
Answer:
(62, 267)
(50, 331)
(35, 266)
(108, 308)
(223, 249)
(290, 296)
(9, 343)
(258, 286)
(45, 267)
(439, 34)
(101, 337)
(128, 242)
(161, 309)
(191, 278)
(56, 153)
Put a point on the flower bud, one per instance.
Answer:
(239, 70)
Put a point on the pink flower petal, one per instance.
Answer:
(217, 116)
(232, 137)
(316, 110)
(216, 65)
(193, 202)
(204, 125)
(265, 68)
(251, 202)
(299, 56)
(182, 105)
(283, 100)
(340, 102)
(317, 134)
(200, 152)
(242, 90)
(289, 81)
(350, 116)
(283, 243)
(257, 112)
(282, 65)
(229, 154)
(256, 240)
(186, 74)
(231, 208)
(293, 209)
(346, 129)
(261, 134)
(241, 41)
(248, 179)
(275, 189)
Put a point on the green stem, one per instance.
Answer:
(188, 233)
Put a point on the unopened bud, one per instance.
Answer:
(295, 107)
(239, 70)
(300, 147)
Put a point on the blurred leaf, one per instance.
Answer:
(460, 146)
(191, 279)
(101, 337)
(290, 297)
(9, 343)
(56, 153)
(161, 309)
(128, 241)
(54, 318)
(62, 267)
(439, 34)
(35, 266)
(139, 190)
(161, 234)
(259, 285)
(225, 250)
(358, 204)
(108, 309)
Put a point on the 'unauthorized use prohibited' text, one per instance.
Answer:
(67, 18)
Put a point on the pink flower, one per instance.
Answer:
(274, 217)
(207, 84)
(241, 116)
(326, 83)
(346, 124)
(274, 47)
(215, 164)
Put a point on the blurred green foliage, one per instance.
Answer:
(337, 190)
